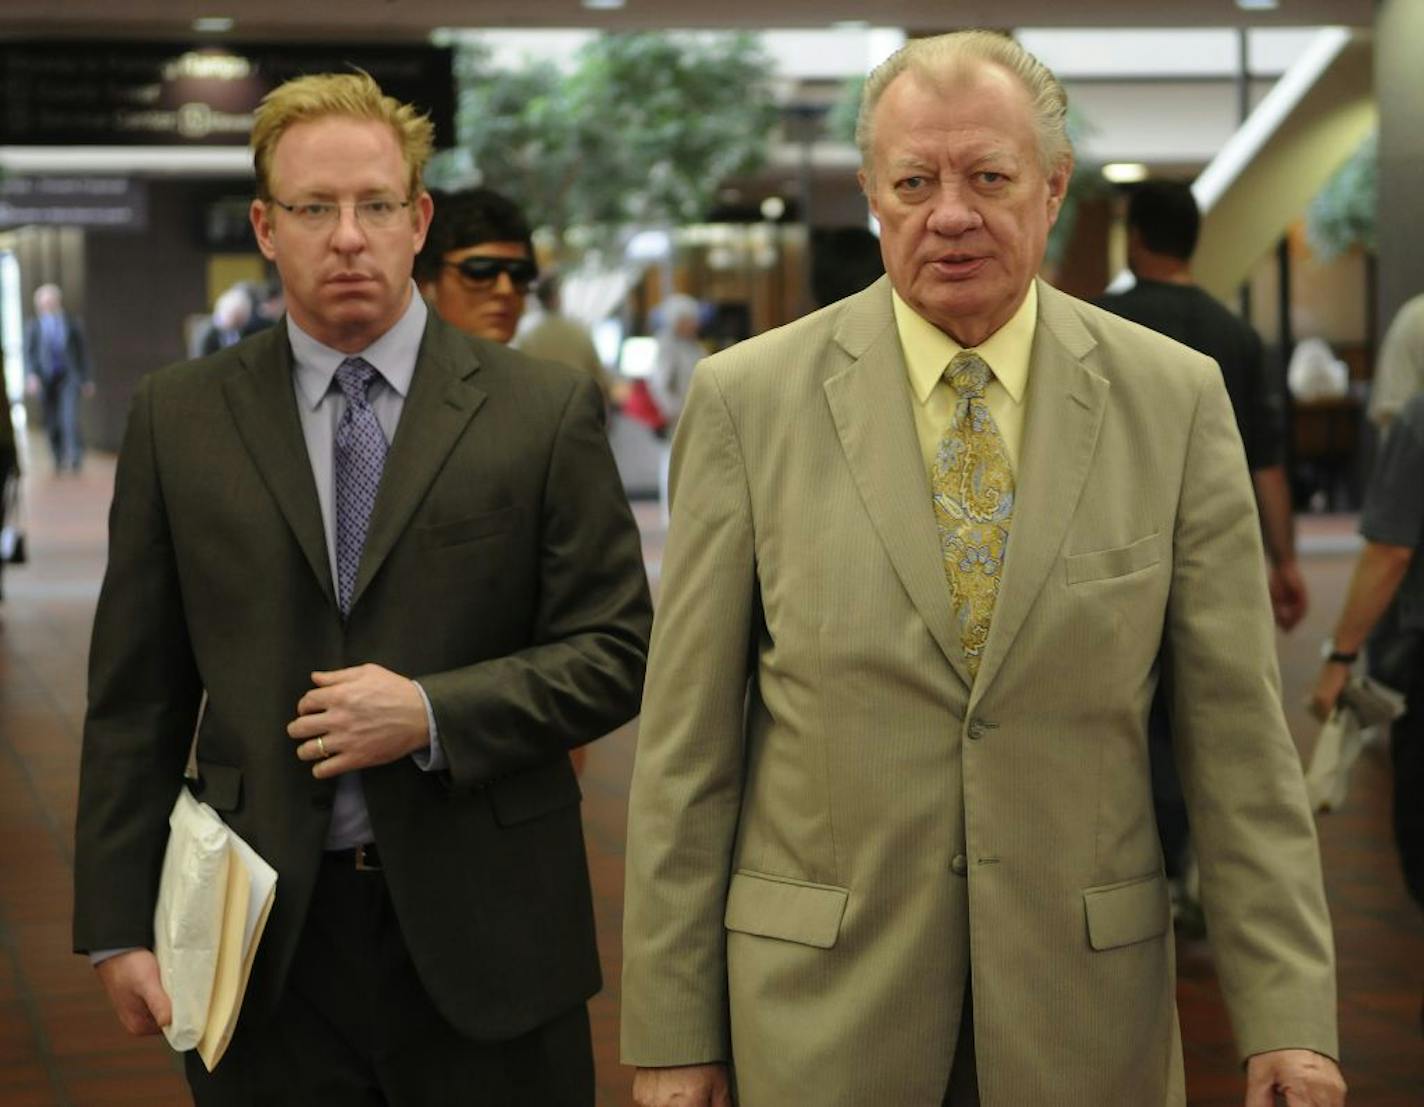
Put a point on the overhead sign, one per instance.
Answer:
(65, 93)
(101, 203)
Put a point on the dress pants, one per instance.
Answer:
(355, 1027)
(59, 398)
(1407, 752)
(964, 1076)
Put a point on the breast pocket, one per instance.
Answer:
(1116, 562)
(457, 532)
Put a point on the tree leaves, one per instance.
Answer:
(642, 129)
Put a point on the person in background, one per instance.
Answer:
(58, 368)
(1390, 573)
(478, 262)
(1399, 372)
(890, 831)
(397, 565)
(9, 457)
(268, 303)
(677, 354)
(1164, 223)
(557, 337)
(232, 315)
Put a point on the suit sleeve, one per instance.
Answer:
(143, 701)
(1255, 838)
(582, 676)
(688, 775)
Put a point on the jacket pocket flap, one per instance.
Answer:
(527, 795)
(774, 907)
(1127, 912)
(484, 525)
(219, 786)
(1106, 564)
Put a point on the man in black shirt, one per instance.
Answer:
(1163, 223)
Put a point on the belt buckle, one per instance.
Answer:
(362, 864)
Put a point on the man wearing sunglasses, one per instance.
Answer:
(478, 263)
(399, 564)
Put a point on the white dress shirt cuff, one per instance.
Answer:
(97, 956)
(432, 758)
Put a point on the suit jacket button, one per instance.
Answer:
(960, 865)
(976, 730)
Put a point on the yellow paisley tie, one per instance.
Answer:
(973, 486)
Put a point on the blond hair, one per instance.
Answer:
(946, 56)
(353, 95)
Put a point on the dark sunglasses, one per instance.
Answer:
(481, 270)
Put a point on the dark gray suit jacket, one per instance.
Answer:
(502, 570)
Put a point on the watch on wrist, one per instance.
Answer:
(1341, 657)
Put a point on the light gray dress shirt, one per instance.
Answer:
(320, 404)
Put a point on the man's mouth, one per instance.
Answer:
(958, 267)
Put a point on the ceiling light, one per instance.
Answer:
(603, 5)
(1125, 172)
(773, 208)
(1258, 5)
(214, 24)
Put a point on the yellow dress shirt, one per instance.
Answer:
(928, 351)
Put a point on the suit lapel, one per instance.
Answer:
(1065, 408)
(870, 405)
(264, 407)
(440, 404)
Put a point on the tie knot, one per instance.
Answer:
(968, 374)
(354, 377)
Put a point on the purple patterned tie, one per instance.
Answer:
(360, 460)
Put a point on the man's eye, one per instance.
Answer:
(378, 207)
(315, 211)
(990, 176)
(909, 184)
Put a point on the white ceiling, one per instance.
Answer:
(413, 19)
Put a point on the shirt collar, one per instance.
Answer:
(928, 350)
(393, 354)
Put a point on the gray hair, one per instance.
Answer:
(935, 59)
(233, 307)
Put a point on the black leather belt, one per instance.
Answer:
(364, 858)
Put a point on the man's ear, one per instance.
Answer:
(424, 211)
(866, 187)
(262, 228)
(1058, 188)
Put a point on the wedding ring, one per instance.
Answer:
(321, 745)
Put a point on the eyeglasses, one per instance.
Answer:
(482, 271)
(375, 215)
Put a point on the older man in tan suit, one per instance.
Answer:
(932, 550)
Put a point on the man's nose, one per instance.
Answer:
(348, 236)
(504, 284)
(954, 212)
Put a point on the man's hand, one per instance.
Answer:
(1334, 675)
(683, 1086)
(131, 979)
(32, 385)
(359, 717)
(1300, 1077)
(1288, 597)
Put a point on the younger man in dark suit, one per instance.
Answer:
(399, 562)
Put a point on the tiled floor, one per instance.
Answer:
(60, 1046)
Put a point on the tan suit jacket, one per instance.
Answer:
(831, 830)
